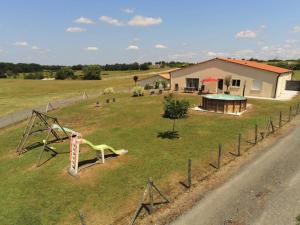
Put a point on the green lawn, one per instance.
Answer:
(18, 94)
(48, 195)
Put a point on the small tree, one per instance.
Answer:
(92, 72)
(175, 109)
(135, 79)
(227, 82)
(64, 73)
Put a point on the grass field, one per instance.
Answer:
(48, 195)
(18, 94)
(296, 75)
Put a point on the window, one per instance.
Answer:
(236, 83)
(256, 85)
(192, 83)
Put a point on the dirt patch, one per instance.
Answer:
(92, 174)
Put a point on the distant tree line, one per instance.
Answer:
(292, 64)
(172, 64)
(14, 69)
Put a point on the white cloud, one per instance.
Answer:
(132, 47)
(262, 26)
(75, 29)
(296, 29)
(144, 21)
(91, 49)
(136, 39)
(160, 46)
(21, 43)
(246, 34)
(111, 21)
(243, 53)
(214, 54)
(128, 10)
(185, 56)
(291, 41)
(35, 48)
(284, 51)
(84, 20)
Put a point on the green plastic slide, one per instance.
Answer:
(104, 147)
(55, 126)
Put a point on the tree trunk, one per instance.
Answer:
(173, 125)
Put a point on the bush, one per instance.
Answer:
(108, 91)
(34, 76)
(138, 91)
(92, 72)
(64, 73)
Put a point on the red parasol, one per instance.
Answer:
(210, 79)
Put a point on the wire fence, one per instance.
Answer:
(224, 155)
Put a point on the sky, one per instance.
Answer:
(69, 32)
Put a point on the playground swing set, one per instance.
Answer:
(40, 123)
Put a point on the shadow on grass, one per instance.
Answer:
(168, 135)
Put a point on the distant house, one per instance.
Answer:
(248, 78)
(161, 76)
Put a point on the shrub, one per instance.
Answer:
(108, 91)
(162, 83)
(148, 87)
(92, 72)
(64, 73)
(138, 91)
(34, 76)
(227, 82)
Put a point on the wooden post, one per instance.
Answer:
(255, 133)
(272, 125)
(219, 156)
(189, 173)
(280, 119)
(150, 184)
(290, 114)
(239, 145)
(82, 218)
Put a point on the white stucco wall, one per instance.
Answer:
(220, 69)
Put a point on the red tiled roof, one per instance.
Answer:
(256, 65)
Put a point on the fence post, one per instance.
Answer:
(150, 182)
(280, 119)
(297, 111)
(255, 131)
(239, 145)
(189, 173)
(82, 218)
(219, 156)
(290, 114)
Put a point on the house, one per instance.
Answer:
(161, 76)
(248, 78)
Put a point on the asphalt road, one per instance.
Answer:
(266, 191)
